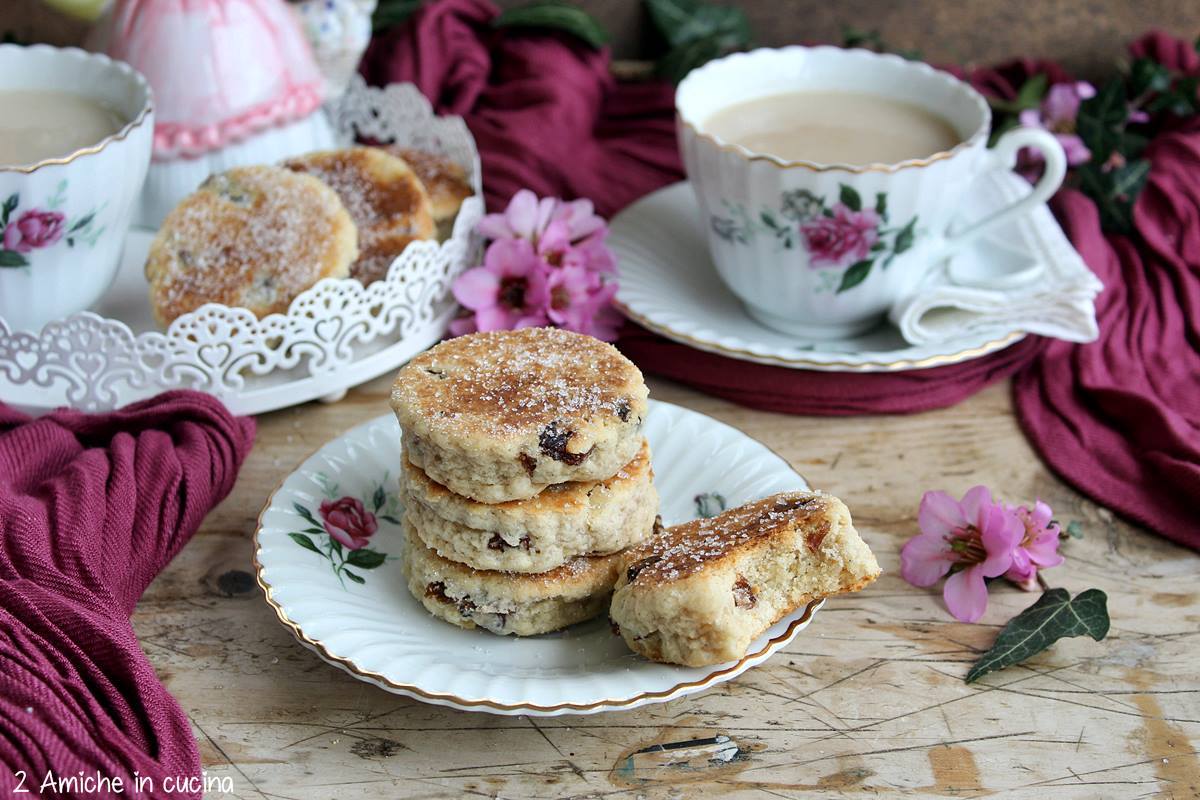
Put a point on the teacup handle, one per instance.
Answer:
(1004, 156)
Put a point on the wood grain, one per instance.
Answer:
(869, 700)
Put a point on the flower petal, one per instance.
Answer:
(460, 326)
(940, 514)
(1001, 531)
(1030, 118)
(924, 560)
(974, 503)
(494, 226)
(476, 288)
(495, 318)
(966, 595)
(522, 214)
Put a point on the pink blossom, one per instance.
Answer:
(580, 302)
(1038, 548)
(971, 540)
(1057, 114)
(842, 239)
(348, 522)
(34, 229)
(547, 264)
(507, 292)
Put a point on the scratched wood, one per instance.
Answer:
(869, 700)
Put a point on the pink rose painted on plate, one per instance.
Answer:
(348, 521)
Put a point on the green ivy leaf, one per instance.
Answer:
(305, 542)
(390, 13)
(1032, 91)
(881, 205)
(684, 58)
(1101, 120)
(682, 21)
(11, 258)
(1028, 96)
(857, 37)
(1114, 192)
(696, 33)
(1147, 75)
(1007, 124)
(379, 497)
(1054, 616)
(354, 577)
(672, 16)
(555, 15)
(365, 559)
(391, 519)
(335, 547)
(904, 239)
(850, 198)
(854, 276)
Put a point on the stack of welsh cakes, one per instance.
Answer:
(525, 476)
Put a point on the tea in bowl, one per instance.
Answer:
(75, 137)
(830, 179)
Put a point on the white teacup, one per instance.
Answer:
(791, 238)
(63, 220)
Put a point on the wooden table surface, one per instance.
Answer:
(869, 700)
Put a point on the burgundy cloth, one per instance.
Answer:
(1118, 418)
(544, 110)
(823, 393)
(92, 507)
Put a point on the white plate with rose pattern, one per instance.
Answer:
(353, 608)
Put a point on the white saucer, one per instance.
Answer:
(670, 286)
(366, 622)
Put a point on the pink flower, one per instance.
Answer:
(1057, 114)
(580, 302)
(547, 264)
(507, 292)
(348, 522)
(842, 239)
(1038, 548)
(34, 229)
(972, 540)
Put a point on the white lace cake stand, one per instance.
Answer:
(334, 336)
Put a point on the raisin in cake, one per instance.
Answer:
(700, 593)
(501, 415)
(542, 532)
(505, 602)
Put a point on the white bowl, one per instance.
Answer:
(73, 212)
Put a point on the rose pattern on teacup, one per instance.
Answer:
(844, 240)
(25, 231)
(345, 527)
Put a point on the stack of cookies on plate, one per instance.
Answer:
(525, 477)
